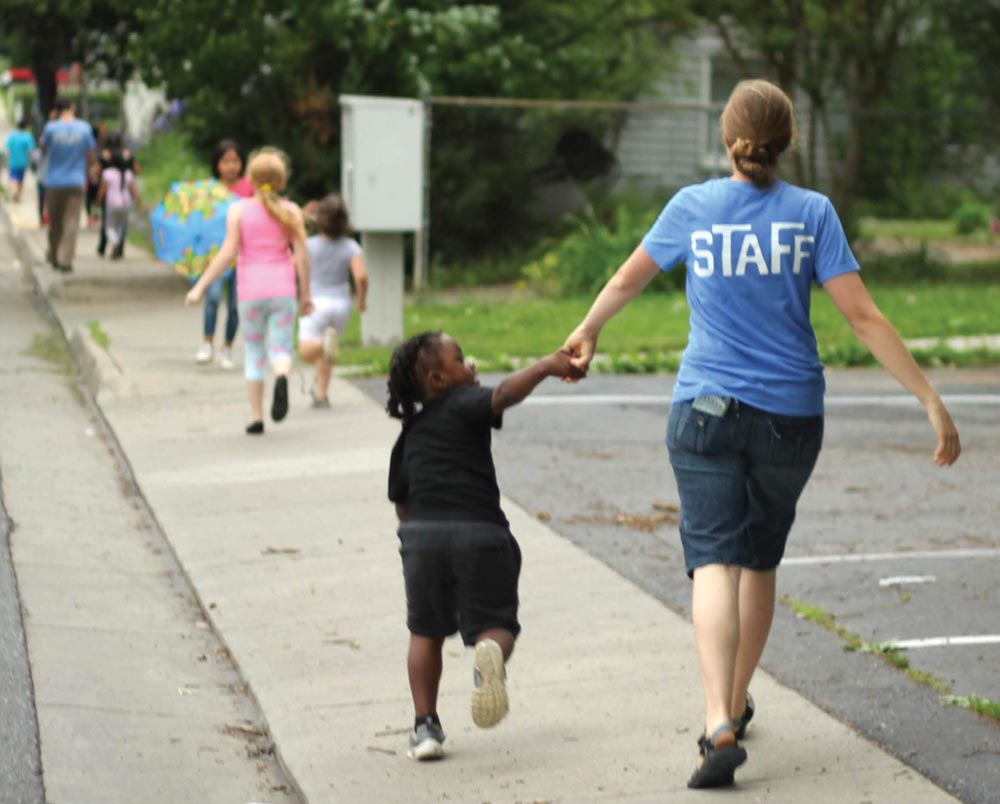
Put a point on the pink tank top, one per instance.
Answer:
(264, 267)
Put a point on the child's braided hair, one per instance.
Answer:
(406, 368)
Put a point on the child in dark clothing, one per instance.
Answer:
(460, 561)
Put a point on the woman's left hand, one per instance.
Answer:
(193, 296)
(949, 447)
(306, 305)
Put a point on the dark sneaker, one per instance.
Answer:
(279, 405)
(426, 741)
(489, 699)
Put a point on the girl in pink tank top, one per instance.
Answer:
(266, 235)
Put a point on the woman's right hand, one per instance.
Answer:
(193, 296)
(581, 345)
(949, 447)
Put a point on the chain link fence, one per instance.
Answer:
(536, 161)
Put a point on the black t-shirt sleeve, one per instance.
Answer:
(475, 404)
(399, 485)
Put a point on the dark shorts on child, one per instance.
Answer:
(460, 576)
(739, 477)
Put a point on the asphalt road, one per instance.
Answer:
(890, 545)
(20, 764)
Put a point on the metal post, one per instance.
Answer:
(422, 238)
(382, 322)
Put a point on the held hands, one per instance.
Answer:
(949, 447)
(580, 346)
(306, 305)
(561, 364)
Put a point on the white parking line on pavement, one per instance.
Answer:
(904, 580)
(857, 558)
(941, 642)
(834, 401)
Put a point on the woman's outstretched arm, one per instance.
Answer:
(627, 283)
(880, 337)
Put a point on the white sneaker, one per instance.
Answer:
(331, 345)
(489, 699)
(204, 354)
(226, 358)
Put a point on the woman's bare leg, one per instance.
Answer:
(715, 605)
(757, 595)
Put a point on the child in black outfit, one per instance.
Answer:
(460, 561)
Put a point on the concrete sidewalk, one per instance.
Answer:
(289, 542)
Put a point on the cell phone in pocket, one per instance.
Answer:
(712, 405)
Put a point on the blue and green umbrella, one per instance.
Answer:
(189, 225)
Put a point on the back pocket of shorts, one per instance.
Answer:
(694, 431)
(795, 439)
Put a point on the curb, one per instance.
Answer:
(100, 377)
(96, 366)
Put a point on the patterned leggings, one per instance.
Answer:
(274, 318)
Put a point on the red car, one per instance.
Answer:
(23, 75)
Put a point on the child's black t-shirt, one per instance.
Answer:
(442, 466)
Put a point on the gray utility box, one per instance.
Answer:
(382, 178)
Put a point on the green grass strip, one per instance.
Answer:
(649, 335)
(984, 706)
(852, 642)
(99, 336)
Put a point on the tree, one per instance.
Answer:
(48, 34)
(879, 78)
(277, 69)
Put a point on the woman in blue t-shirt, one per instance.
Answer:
(746, 423)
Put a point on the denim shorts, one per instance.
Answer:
(460, 576)
(739, 477)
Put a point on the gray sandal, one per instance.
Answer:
(718, 763)
(740, 723)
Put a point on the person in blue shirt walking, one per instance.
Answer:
(746, 422)
(70, 148)
(19, 145)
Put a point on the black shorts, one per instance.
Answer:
(460, 576)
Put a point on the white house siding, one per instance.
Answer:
(673, 147)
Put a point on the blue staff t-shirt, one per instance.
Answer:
(66, 143)
(20, 144)
(752, 255)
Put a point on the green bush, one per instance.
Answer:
(913, 197)
(589, 254)
(903, 268)
(970, 218)
(169, 157)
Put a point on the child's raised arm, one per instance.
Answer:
(515, 387)
(222, 260)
